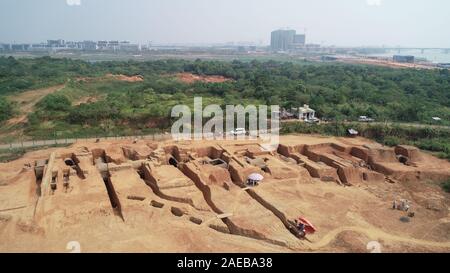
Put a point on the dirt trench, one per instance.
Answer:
(100, 160)
(113, 197)
(146, 175)
(232, 227)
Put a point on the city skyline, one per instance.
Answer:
(347, 23)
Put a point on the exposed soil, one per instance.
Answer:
(191, 78)
(119, 77)
(27, 100)
(385, 63)
(124, 78)
(146, 196)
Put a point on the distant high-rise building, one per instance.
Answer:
(20, 47)
(5, 47)
(127, 46)
(299, 39)
(89, 45)
(56, 43)
(283, 40)
(40, 47)
(113, 45)
(102, 45)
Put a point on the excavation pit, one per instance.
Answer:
(176, 211)
(195, 220)
(189, 179)
(135, 198)
(156, 204)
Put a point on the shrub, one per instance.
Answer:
(446, 186)
(391, 141)
(6, 109)
(55, 102)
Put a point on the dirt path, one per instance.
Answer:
(375, 234)
(28, 99)
(191, 78)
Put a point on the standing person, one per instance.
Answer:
(300, 226)
(407, 206)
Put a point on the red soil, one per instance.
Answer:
(191, 78)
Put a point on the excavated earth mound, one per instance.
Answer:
(147, 196)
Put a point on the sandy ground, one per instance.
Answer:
(386, 63)
(125, 78)
(191, 78)
(345, 187)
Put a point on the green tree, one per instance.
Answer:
(55, 102)
(6, 109)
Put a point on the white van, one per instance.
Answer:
(365, 119)
(238, 132)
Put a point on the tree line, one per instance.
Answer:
(338, 91)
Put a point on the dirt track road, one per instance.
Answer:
(28, 99)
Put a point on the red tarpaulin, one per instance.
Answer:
(309, 227)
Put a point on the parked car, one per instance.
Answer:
(238, 132)
(365, 119)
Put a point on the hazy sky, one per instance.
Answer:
(331, 22)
